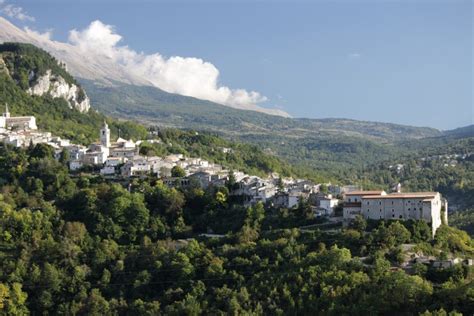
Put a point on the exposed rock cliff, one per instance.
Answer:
(57, 87)
(3, 67)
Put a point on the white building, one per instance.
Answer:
(111, 165)
(135, 167)
(254, 189)
(8, 122)
(328, 203)
(96, 154)
(288, 199)
(352, 202)
(105, 135)
(397, 206)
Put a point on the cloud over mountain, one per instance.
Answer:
(183, 75)
(96, 53)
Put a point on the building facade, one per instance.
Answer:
(425, 206)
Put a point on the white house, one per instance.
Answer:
(111, 164)
(328, 203)
(136, 166)
(286, 199)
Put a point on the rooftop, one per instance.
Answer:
(365, 192)
(408, 195)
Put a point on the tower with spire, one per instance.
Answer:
(6, 114)
(3, 118)
(105, 135)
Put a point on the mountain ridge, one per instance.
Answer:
(154, 106)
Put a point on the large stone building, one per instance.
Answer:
(378, 205)
(8, 122)
(352, 202)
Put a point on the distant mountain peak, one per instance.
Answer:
(77, 64)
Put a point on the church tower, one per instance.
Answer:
(6, 114)
(105, 135)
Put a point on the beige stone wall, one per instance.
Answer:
(403, 209)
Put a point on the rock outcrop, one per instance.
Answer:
(57, 87)
(3, 67)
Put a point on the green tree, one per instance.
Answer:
(178, 172)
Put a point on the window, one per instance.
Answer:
(368, 203)
(401, 216)
(349, 199)
(380, 210)
(414, 208)
(380, 216)
(380, 202)
(392, 202)
(408, 208)
(393, 215)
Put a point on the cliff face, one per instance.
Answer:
(38, 73)
(3, 67)
(57, 87)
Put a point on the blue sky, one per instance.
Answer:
(407, 62)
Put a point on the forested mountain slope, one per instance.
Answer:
(158, 107)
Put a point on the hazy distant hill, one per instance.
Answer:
(466, 131)
(157, 106)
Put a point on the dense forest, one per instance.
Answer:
(80, 245)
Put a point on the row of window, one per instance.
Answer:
(393, 210)
(393, 216)
(380, 202)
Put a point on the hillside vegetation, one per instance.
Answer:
(86, 246)
(83, 245)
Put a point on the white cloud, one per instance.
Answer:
(183, 75)
(354, 55)
(15, 12)
(45, 36)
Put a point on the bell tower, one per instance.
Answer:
(6, 114)
(105, 135)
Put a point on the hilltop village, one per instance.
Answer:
(120, 160)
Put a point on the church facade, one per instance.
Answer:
(8, 122)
